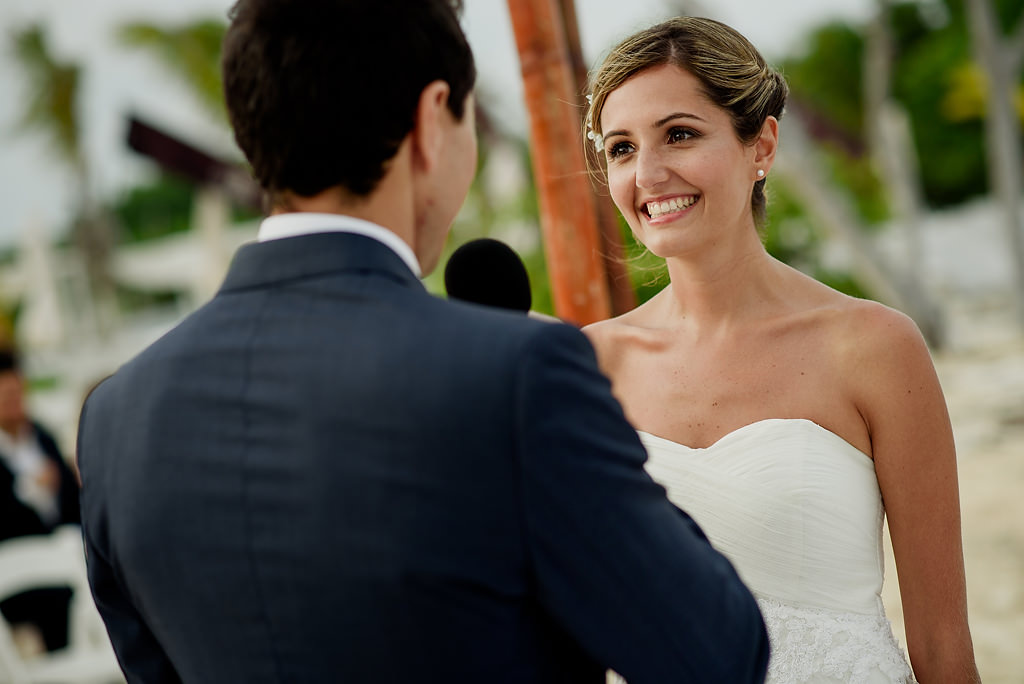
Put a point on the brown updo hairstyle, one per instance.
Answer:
(732, 73)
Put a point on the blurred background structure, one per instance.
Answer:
(900, 179)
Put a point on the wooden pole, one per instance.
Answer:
(572, 242)
(623, 297)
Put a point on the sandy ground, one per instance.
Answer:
(984, 385)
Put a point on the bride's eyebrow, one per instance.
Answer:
(659, 123)
(677, 115)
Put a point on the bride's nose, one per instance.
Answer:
(651, 169)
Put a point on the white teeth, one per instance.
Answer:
(656, 209)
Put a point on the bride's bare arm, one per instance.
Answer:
(895, 387)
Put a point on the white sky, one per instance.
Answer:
(35, 193)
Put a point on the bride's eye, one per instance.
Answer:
(681, 134)
(619, 149)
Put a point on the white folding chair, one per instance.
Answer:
(55, 560)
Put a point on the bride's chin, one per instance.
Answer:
(664, 249)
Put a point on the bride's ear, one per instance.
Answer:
(766, 145)
(428, 126)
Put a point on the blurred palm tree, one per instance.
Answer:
(52, 109)
(1002, 59)
(190, 52)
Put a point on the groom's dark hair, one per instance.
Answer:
(321, 93)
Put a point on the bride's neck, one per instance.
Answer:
(712, 296)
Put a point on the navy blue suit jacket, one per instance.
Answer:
(327, 474)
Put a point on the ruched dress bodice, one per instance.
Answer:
(798, 511)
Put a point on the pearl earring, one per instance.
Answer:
(760, 173)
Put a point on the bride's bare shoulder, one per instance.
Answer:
(853, 331)
(604, 332)
(631, 325)
(868, 322)
(869, 341)
(847, 316)
(614, 336)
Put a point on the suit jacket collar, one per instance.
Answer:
(305, 223)
(260, 264)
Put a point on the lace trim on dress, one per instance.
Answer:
(818, 645)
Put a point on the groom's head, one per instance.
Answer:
(322, 93)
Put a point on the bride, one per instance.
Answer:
(778, 412)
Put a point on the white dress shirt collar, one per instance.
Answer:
(306, 223)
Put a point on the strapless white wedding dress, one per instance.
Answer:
(798, 511)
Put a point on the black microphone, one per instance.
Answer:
(487, 271)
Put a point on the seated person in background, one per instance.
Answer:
(38, 492)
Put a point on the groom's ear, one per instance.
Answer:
(428, 131)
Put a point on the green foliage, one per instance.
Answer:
(857, 174)
(540, 285)
(826, 91)
(526, 210)
(841, 281)
(787, 235)
(942, 88)
(951, 153)
(161, 208)
(9, 312)
(1008, 14)
(933, 79)
(190, 52)
(42, 383)
(826, 79)
(130, 300)
(153, 211)
(647, 272)
(51, 105)
(791, 238)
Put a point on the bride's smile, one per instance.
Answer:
(667, 208)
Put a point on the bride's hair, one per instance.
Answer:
(731, 71)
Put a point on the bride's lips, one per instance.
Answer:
(667, 206)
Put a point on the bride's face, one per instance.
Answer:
(676, 169)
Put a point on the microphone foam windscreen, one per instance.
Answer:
(487, 271)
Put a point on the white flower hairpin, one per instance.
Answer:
(591, 133)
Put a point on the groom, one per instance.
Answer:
(326, 474)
